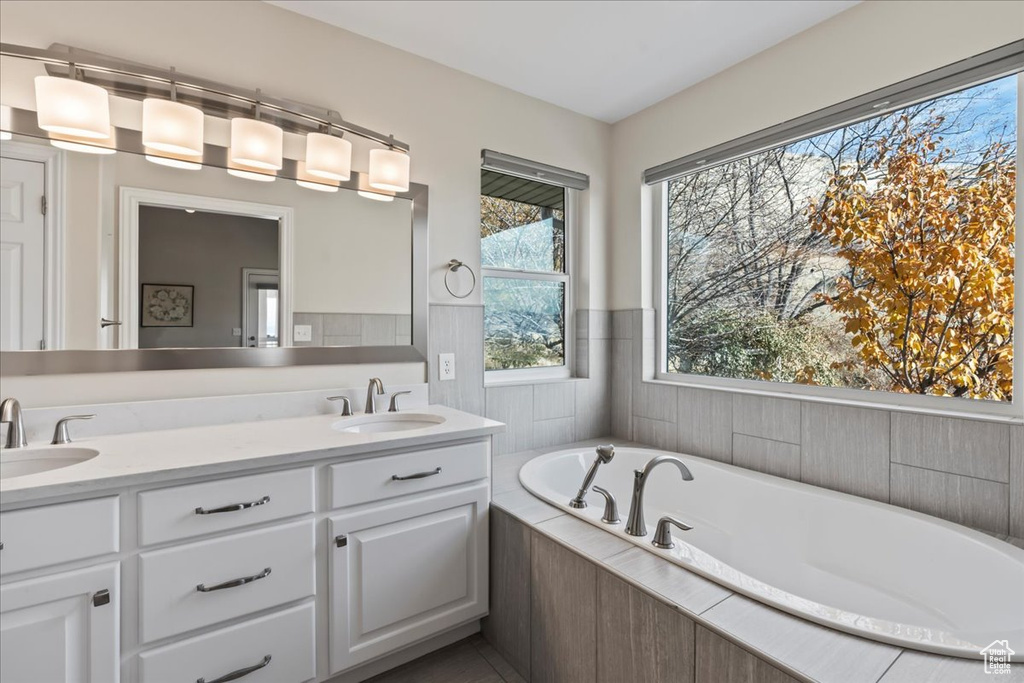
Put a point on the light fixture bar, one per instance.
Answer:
(306, 118)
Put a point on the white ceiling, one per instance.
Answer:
(606, 59)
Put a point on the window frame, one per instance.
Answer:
(802, 128)
(554, 372)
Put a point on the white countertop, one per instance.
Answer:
(147, 457)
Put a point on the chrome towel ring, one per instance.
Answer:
(452, 267)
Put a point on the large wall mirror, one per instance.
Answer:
(114, 261)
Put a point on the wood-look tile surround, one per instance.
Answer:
(696, 630)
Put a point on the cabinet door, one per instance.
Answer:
(404, 571)
(61, 628)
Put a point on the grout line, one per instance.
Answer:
(482, 656)
(764, 438)
(711, 607)
(891, 664)
(951, 474)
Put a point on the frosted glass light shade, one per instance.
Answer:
(389, 170)
(72, 107)
(172, 127)
(77, 143)
(249, 173)
(311, 182)
(328, 156)
(364, 190)
(5, 122)
(188, 162)
(376, 196)
(257, 144)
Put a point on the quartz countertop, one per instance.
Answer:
(143, 458)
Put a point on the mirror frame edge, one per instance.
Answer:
(67, 362)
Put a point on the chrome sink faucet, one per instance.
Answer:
(10, 413)
(635, 524)
(371, 404)
(604, 456)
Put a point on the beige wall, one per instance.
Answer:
(871, 45)
(446, 116)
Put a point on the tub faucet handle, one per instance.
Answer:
(663, 534)
(611, 509)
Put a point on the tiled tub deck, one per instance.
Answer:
(570, 602)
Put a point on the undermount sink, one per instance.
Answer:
(22, 461)
(387, 422)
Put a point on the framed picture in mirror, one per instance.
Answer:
(166, 305)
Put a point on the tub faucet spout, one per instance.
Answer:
(635, 524)
(604, 456)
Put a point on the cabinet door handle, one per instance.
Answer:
(238, 673)
(233, 508)
(340, 541)
(203, 588)
(418, 475)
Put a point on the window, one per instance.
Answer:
(877, 255)
(523, 240)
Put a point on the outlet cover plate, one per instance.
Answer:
(445, 367)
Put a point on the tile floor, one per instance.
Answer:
(471, 660)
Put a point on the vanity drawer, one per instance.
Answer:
(364, 481)
(186, 511)
(287, 637)
(234, 575)
(53, 534)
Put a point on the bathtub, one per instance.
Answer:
(866, 568)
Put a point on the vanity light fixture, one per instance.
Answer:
(257, 144)
(72, 107)
(188, 162)
(5, 122)
(364, 190)
(249, 172)
(328, 156)
(170, 126)
(389, 170)
(86, 145)
(303, 178)
(376, 196)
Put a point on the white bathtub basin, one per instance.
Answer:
(867, 568)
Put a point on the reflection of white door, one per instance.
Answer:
(22, 255)
(260, 307)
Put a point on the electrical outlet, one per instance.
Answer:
(302, 333)
(446, 367)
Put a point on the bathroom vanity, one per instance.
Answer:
(286, 550)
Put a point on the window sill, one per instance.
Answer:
(796, 392)
(489, 384)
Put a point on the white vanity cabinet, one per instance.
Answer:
(414, 563)
(61, 626)
(285, 575)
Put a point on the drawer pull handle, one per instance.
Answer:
(418, 475)
(203, 588)
(235, 675)
(233, 508)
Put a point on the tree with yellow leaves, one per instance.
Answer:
(928, 296)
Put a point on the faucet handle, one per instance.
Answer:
(393, 406)
(663, 534)
(611, 509)
(60, 432)
(346, 404)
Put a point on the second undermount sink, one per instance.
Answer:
(22, 461)
(387, 422)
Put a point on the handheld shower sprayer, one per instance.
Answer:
(604, 456)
